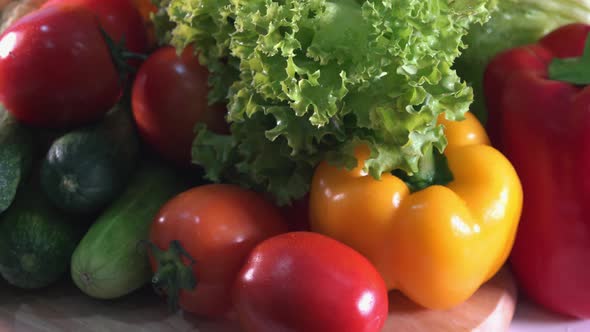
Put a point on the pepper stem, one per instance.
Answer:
(432, 170)
(572, 70)
(425, 174)
(172, 274)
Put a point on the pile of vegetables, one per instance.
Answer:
(98, 185)
(270, 160)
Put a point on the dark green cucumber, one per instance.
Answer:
(111, 261)
(16, 157)
(36, 240)
(85, 170)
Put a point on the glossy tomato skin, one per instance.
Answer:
(307, 282)
(169, 98)
(56, 70)
(218, 225)
(119, 18)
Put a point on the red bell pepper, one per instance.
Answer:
(538, 99)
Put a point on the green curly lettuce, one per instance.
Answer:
(309, 80)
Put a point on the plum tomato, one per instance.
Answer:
(169, 98)
(56, 69)
(307, 282)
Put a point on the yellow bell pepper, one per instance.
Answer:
(437, 245)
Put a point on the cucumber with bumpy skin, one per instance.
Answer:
(16, 157)
(111, 261)
(36, 240)
(86, 169)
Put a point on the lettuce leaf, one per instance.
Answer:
(513, 23)
(308, 80)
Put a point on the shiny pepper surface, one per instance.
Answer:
(437, 245)
(538, 99)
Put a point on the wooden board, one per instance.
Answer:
(490, 310)
(63, 308)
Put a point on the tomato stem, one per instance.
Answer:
(121, 56)
(131, 55)
(172, 274)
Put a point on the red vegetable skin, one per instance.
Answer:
(169, 98)
(56, 70)
(307, 282)
(217, 225)
(119, 18)
(543, 126)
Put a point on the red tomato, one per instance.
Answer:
(56, 70)
(169, 98)
(307, 282)
(119, 18)
(217, 225)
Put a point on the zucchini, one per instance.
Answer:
(110, 261)
(16, 157)
(85, 170)
(36, 240)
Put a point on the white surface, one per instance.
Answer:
(531, 318)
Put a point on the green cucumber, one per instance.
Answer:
(36, 240)
(85, 170)
(16, 157)
(111, 260)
